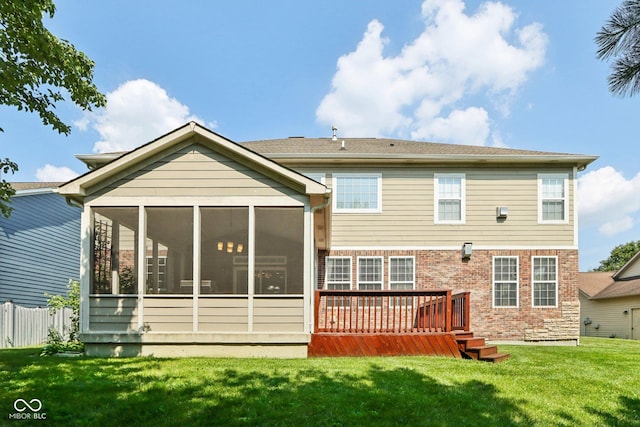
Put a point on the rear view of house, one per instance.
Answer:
(195, 244)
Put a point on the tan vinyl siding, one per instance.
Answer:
(168, 314)
(278, 315)
(113, 314)
(407, 217)
(223, 315)
(195, 171)
(609, 315)
(632, 271)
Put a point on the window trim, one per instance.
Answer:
(326, 270)
(359, 282)
(413, 278)
(565, 183)
(334, 184)
(436, 198)
(493, 280)
(533, 281)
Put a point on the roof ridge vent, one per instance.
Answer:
(335, 135)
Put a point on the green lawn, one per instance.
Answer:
(595, 384)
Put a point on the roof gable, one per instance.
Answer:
(190, 133)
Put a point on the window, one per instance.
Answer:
(224, 238)
(369, 273)
(401, 273)
(401, 277)
(114, 263)
(279, 250)
(357, 193)
(338, 273)
(505, 281)
(545, 281)
(553, 200)
(449, 198)
(169, 250)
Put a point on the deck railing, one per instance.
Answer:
(390, 311)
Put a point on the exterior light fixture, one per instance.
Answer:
(467, 249)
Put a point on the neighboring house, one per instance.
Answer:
(610, 302)
(39, 245)
(295, 237)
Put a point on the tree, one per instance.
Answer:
(620, 37)
(37, 70)
(619, 256)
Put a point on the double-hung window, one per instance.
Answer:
(553, 202)
(338, 273)
(370, 274)
(505, 281)
(449, 198)
(402, 277)
(357, 193)
(545, 281)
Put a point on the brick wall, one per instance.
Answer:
(446, 270)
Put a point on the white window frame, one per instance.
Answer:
(337, 176)
(565, 183)
(326, 271)
(361, 282)
(495, 282)
(534, 282)
(413, 273)
(437, 198)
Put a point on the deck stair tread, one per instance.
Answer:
(476, 348)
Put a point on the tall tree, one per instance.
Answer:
(619, 256)
(620, 37)
(37, 70)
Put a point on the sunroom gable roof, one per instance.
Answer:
(83, 185)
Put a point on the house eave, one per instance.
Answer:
(580, 162)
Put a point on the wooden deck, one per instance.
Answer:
(395, 323)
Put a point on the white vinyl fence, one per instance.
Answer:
(23, 326)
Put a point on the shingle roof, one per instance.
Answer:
(300, 147)
(601, 285)
(21, 186)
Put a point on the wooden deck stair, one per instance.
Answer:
(476, 348)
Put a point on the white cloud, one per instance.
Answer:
(137, 112)
(423, 90)
(50, 173)
(608, 200)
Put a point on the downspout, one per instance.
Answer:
(315, 261)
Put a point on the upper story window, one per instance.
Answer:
(357, 193)
(553, 202)
(449, 198)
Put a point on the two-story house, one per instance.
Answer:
(195, 244)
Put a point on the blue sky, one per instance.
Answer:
(512, 73)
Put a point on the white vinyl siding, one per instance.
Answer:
(505, 281)
(357, 193)
(449, 206)
(545, 281)
(553, 201)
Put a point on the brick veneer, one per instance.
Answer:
(439, 269)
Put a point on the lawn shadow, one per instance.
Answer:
(167, 392)
(628, 415)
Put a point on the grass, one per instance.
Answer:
(595, 384)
